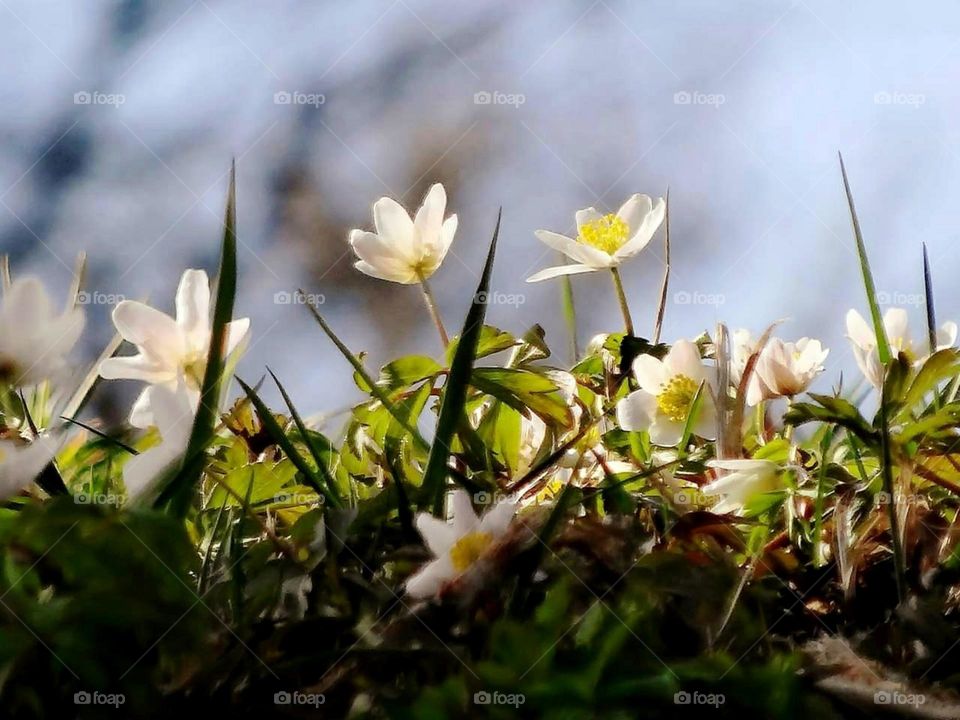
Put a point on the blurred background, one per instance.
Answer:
(120, 118)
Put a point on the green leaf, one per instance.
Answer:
(525, 391)
(455, 390)
(831, 410)
(179, 493)
(492, 340)
(407, 371)
(883, 347)
(943, 364)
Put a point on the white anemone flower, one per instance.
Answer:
(667, 388)
(173, 413)
(22, 462)
(604, 241)
(169, 349)
(743, 481)
(34, 337)
(458, 544)
(896, 327)
(405, 250)
(785, 369)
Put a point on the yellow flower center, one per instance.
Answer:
(468, 549)
(675, 397)
(608, 233)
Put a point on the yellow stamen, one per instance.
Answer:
(468, 549)
(675, 397)
(608, 233)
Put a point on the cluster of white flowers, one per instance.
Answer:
(674, 396)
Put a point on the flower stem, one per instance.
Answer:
(432, 309)
(621, 296)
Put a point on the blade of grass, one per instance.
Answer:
(311, 446)
(883, 347)
(376, 390)
(178, 494)
(99, 433)
(569, 315)
(928, 298)
(662, 308)
(277, 434)
(887, 470)
(455, 390)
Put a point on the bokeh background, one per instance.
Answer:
(120, 118)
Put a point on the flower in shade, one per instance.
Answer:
(173, 413)
(743, 481)
(896, 327)
(21, 462)
(169, 350)
(456, 545)
(405, 250)
(604, 241)
(34, 337)
(785, 369)
(667, 388)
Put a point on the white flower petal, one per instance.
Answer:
(193, 308)
(238, 331)
(438, 535)
(642, 230)
(585, 254)
(429, 220)
(405, 277)
(636, 411)
(587, 215)
(136, 367)
(859, 331)
(394, 225)
(429, 580)
(154, 332)
(896, 322)
(558, 271)
(665, 432)
(651, 373)
(461, 510)
(498, 518)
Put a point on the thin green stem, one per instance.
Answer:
(432, 309)
(622, 298)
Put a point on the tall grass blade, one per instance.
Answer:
(455, 390)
